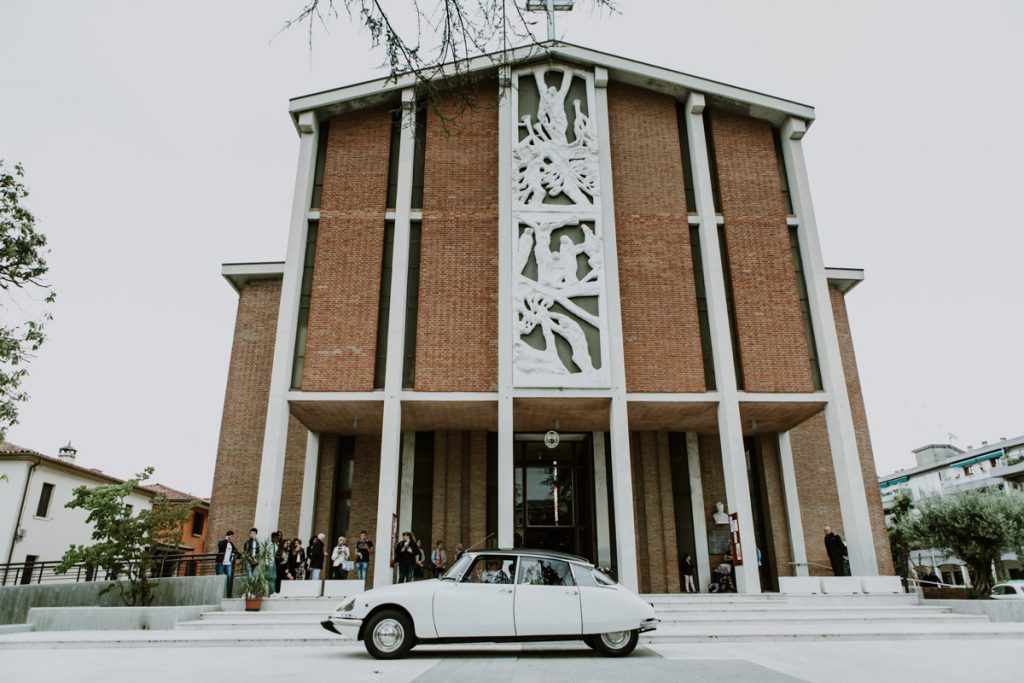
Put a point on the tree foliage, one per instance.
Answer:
(127, 544)
(23, 269)
(900, 539)
(258, 584)
(976, 526)
(434, 40)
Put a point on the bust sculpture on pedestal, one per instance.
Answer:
(720, 516)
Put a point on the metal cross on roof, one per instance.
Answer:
(550, 7)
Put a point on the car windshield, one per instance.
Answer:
(457, 569)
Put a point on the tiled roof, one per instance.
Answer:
(174, 495)
(9, 449)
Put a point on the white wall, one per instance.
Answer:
(48, 537)
(10, 496)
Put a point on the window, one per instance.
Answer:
(130, 508)
(30, 566)
(321, 162)
(805, 309)
(198, 520)
(787, 198)
(702, 310)
(712, 160)
(306, 296)
(538, 572)
(491, 569)
(43, 509)
(412, 300)
(730, 307)
(384, 306)
(684, 152)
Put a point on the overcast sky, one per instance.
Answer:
(157, 145)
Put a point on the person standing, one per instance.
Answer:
(836, 550)
(339, 559)
(459, 552)
(438, 559)
(364, 547)
(405, 556)
(688, 571)
(225, 559)
(296, 561)
(280, 557)
(316, 556)
(250, 551)
(421, 558)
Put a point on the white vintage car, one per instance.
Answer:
(499, 596)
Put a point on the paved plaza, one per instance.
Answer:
(832, 662)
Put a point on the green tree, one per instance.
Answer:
(22, 271)
(127, 545)
(976, 526)
(900, 538)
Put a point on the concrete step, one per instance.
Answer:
(273, 614)
(908, 619)
(298, 625)
(706, 633)
(769, 600)
(277, 604)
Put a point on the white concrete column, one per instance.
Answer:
(622, 473)
(408, 477)
(506, 230)
(730, 428)
(853, 503)
(307, 507)
(602, 522)
(275, 434)
(966, 575)
(699, 512)
(391, 430)
(793, 518)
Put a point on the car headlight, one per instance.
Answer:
(347, 605)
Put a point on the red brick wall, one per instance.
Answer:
(780, 550)
(765, 296)
(661, 334)
(860, 428)
(240, 449)
(457, 330)
(653, 507)
(459, 512)
(365, 483)
(291, 489)
(325, 485)
(341, 347)
(816, 488)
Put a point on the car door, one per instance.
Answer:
(547, 599)
(480, 604)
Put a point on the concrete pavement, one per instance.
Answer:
(831, 662)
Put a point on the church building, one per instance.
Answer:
(588, 314)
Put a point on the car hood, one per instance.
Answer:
(397, 591)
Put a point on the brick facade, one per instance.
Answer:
(459, 512)
(342, 338)
(773, 346)
(660, 332)
(291, 491)
(457, 328)
(237, 473)
(654, 510)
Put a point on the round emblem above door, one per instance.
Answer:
(551, 439)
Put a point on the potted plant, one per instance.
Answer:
(256, 586)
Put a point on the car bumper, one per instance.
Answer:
(649, 625)
(346, 627)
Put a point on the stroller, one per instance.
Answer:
(721, 579)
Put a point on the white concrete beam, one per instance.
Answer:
(793, 517)
(699, 512)
(307, 506)
(730, 429)
(275, 434)
(853, 503)
(506, 131)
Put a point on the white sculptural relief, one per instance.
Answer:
(545, 163)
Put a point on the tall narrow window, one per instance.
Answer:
(733, 331)
(384, 309)
(321, 161)
(29, 570)
(419, 158)
(684, 152)
(702, 311)
(412, 297)
(712, 160)
(805, 308)
(396, 141)
(423, 495)
(198, 521)
(344, 464)
(306, 295)
(43, 508)
(780, 161)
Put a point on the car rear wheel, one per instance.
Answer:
(388, 635)
(615, 643)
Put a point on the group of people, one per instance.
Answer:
(412, 560)
(292, 561)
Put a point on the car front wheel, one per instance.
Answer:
(388, 635)
(615, 643)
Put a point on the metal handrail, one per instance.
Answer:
(934, 584)
(165, 566)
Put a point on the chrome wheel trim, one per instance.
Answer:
(615, 640)
(388, 635)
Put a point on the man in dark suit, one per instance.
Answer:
(226, 552)
(836, 550)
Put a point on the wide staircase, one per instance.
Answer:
(699, 618)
